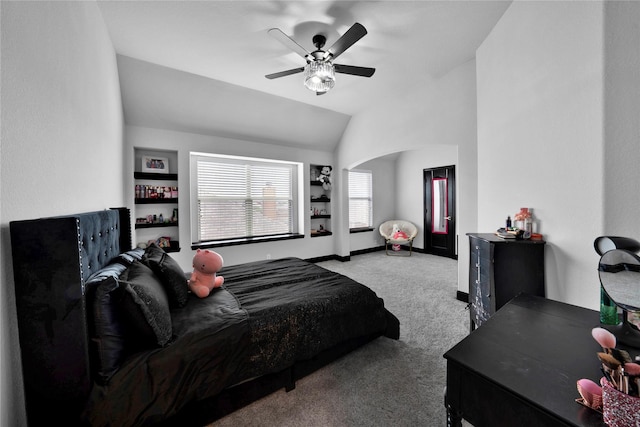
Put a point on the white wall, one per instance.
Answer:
(540, 134)
(622, 119)
(185, 143)
(384, 206)
(443, 112)
(61, 139)
(410, 194)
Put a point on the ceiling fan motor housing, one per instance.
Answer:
(319, 40)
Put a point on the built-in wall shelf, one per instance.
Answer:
(156, 224)
(155, 198)
(143, 201)
(320, 198)
(156, 176)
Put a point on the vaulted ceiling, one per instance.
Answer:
(199, 66)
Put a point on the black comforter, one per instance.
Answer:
(267, 316)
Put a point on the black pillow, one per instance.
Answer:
(172, 277)
(145, 304)
(109, 330)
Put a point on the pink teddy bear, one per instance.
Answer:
(206, 264)
(397, 235)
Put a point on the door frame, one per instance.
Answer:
(451, 249)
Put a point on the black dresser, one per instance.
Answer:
(500, 269)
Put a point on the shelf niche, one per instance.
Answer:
(320, 198)
(146, 161)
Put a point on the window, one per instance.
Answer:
(240, 198)
(360, 199)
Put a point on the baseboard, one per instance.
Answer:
(368, 250)
(327, 258)
(358, 252)
(462, 296)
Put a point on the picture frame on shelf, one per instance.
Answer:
(155, 164)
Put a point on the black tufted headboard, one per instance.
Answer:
(52, 260)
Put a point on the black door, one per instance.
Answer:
(440, 211)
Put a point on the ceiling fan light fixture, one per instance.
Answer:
(319, 76)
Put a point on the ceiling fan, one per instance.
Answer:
(319, 73)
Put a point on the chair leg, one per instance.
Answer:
(386, 249)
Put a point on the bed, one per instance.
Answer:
(109, 338)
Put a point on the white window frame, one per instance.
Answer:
(295, 199)
(363, 177)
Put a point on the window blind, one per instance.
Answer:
(360, 199)
(238, 198)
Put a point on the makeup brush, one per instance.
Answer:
(621, 355)
(632, 369)
(605, 338)
(611, 365)
(591, 393)
(609, 361)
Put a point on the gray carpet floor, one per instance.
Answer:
(386, 382)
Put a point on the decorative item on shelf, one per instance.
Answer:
(155, 192)
(158, 219)
(325, 177)
(155, 164)
(510, 233)
(523, 220)
(162, 242)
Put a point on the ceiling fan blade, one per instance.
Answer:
(285, 73)
(288, 42)
(353, 70)
(353, 34)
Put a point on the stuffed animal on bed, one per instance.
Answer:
(206, 264)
